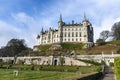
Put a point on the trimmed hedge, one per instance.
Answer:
(95, 76)
(90, 62)
(82, 69)
(117, 67)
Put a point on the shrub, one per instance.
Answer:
(117, 67)
(111, 64)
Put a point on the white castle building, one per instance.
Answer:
(74, 32)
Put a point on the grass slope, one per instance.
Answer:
(108, 48)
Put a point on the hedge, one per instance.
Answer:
(117, 67)
(82, 69)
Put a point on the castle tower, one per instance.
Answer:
(88, 30)
(85, 22)
(60, 28)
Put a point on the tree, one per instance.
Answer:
(104, 34)
(14, 47)
(116, 31)
(100, 41)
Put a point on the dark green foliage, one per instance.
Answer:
(95, 76)
(117, 67)
(111, 64)
(116, 31)
(33, 67)
(72, 46)
(14, 47)
(100, 42)
(85, 69)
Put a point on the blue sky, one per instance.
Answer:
(24, 19)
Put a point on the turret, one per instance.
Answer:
(60, 28)
(85, 22)
(41, 31)
(60, 22)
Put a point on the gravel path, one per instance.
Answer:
(109, 74)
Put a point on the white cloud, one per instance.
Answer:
(30, 26)
(101, 13)
(106, 24)
(7, 31)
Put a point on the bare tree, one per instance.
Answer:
(104, 34)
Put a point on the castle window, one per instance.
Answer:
(72, 39)
(72, 34)
(65, 29)
(76, 39)
(80, 34)
(65, 39)
(65, 34)
(54, 36)
(76, 34)
(84, 35)
(72, 29)
(80, 39)
(68, 34)
(68, 39)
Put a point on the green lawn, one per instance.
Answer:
(7, 74)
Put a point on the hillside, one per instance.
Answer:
(108, 48)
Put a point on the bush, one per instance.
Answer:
(95, 76)
(117, 67)
(111, 64)
(100, 42)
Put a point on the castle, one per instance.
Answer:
(74, 32)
